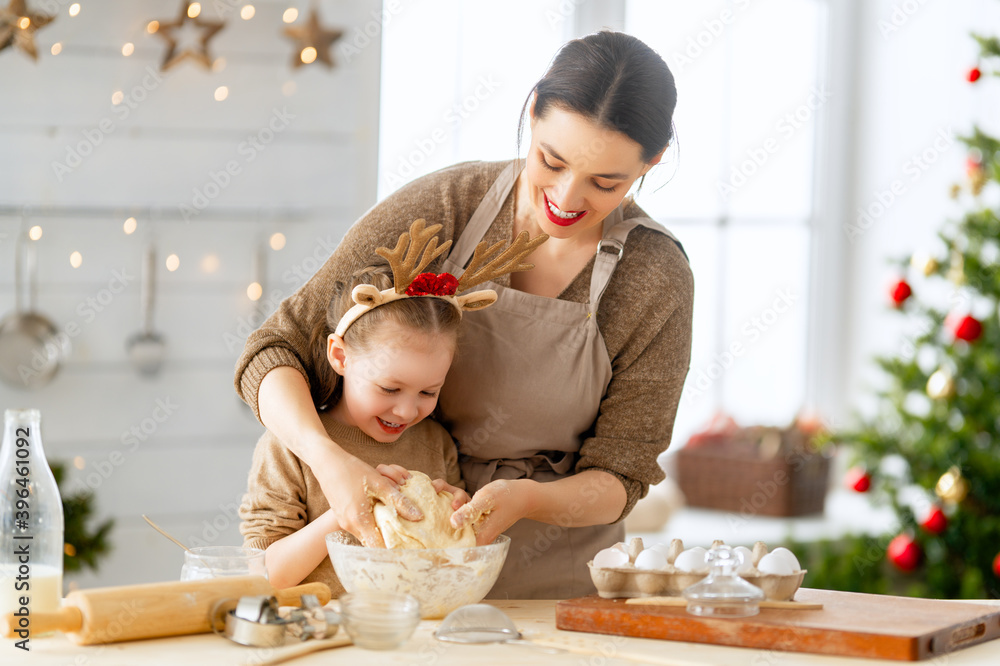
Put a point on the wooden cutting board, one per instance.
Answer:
(850, 624)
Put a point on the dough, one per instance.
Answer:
(434, 531)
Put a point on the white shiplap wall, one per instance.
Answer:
(309, 179)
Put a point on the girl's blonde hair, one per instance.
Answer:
(433, 316)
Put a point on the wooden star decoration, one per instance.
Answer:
(18, 25)
(312, 36)
(174, 56)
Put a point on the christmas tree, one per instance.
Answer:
(933, 448)
(84, 546)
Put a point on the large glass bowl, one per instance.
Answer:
(441, 579)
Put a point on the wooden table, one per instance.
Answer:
(534, 618)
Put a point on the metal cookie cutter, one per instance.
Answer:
(257, 622)
(253, 621)
(312, 620)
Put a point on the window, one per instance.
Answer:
(454, 80)
(742, 197)
(741, 200)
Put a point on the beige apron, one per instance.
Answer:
(522, 395)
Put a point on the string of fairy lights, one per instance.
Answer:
(313, 41)
(209, 263)
(19, 23)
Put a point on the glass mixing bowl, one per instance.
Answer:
(204, 562)
(441, 579)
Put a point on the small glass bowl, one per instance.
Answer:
(205, 562)
(379, 620)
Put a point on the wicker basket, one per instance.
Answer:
(755, 472)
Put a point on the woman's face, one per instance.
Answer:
(395, 385)
(578, 172)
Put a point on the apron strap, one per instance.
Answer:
(481, 220)
(611, 248)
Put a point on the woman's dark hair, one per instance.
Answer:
(434, 316)
(615, 80)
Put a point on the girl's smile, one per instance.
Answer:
(391, 428)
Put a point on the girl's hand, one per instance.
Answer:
(495, 507)
(351, 486)
(460, 496)
(396, 473)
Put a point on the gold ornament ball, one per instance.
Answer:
(977, 179)
(924, 262)
(941, 385)
(951, 487)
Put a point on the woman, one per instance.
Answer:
(564, 393)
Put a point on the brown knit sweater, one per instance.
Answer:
(283, 495)
(644, 317)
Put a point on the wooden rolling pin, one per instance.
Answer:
(155, 610)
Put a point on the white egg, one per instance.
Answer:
(661, 548)
(622, 546)
(776, 564)
(746, 566)
(651, 559)
(788, 556)
(610, 558)
(692, 560)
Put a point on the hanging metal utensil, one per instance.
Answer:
(147, 348)
(31, 347)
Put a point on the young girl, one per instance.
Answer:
(382, 355)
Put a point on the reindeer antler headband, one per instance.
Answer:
(418, 248)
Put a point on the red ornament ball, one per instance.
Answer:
(968, 328)
(935, 522)
(858, 480)
(996, 566)
(900, 292)
(974, 74)
(904, 553)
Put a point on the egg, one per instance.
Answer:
(651, 559)
(622, 546)
(692, 560)
(775, 563)
(610, 558)
(746, 564)
(788, 556)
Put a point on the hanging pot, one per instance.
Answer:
(147, 348)
(31, 347)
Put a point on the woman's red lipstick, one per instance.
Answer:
(555, 219)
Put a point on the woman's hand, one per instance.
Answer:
(351, 486)
(495, 507)
(590, 497)
(460, 497)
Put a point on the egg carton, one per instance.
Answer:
(628, 581)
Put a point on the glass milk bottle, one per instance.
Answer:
(31, 519)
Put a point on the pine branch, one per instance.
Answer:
(989, 47)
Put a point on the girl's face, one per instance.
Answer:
(578, 172)
(393, 386)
